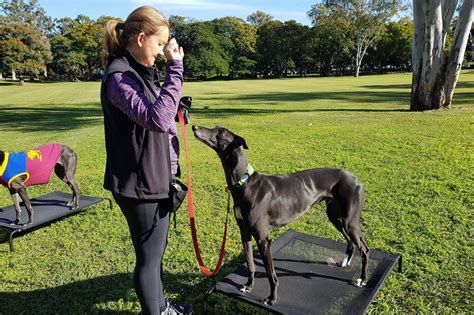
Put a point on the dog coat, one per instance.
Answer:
(36, 164)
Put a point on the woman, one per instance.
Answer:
(141, 142)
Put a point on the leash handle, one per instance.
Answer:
(191, 211)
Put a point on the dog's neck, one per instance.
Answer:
(2, 157)
(235, 165)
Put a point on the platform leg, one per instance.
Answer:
(206, 299)
(400, 263)
(10, 240)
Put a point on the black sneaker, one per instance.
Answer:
(177, 309)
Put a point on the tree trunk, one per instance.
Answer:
(434, 74)
(358, 60)
(13, 75)
(454, 64)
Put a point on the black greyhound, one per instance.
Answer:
(65, 169)
(263, 202)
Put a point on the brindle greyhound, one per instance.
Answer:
(263, 202)
(65, 169)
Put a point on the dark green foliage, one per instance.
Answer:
(23, 48)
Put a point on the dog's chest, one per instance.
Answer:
(238, 213)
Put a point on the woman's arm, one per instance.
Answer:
(125, 93)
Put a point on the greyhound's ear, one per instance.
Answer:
(239, 141)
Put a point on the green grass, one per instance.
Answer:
(416, 169)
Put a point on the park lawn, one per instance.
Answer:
(416, 169)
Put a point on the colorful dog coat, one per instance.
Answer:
(36, 164)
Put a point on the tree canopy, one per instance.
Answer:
(346, 36)
(23, 48)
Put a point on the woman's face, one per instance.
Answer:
(152, 46)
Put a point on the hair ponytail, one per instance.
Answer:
(145, 19)
(113, 42)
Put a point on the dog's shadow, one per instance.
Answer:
(284, 272)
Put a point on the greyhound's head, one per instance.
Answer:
(220, 139)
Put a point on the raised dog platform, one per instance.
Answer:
(48, 208)
(310, 281)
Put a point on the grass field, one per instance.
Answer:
(416, 169)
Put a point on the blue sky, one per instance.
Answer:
(282, 10)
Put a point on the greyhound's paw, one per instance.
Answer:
(246, 288)
(344, 263)
(359, 283)
(270, 300)
(73, 205)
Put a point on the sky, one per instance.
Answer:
(204, 10)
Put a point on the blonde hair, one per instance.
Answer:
(145, 19)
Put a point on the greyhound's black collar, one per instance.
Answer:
(248, 172)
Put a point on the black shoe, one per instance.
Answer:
(177, 309)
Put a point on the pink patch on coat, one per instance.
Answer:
(40, 163)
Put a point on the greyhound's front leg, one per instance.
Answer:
(265, 252)
(251, 266)
(16, 203)
(247, 243)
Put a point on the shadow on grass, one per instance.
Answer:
(76, 297)
(461, 85)
(9, 83)
(48, 117)
(226, 111)
(100, 295)
(361, 97)
(355, 97)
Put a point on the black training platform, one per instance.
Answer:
(48, 208)
(310, 281)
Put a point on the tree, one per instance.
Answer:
(367, 17)
(238, 40)
(23, 49)
(435, 69)
(258, 18)
(205, 55)
(272, 49)
(282, 48)
(65, 59)
(77, 46)
(298, 49)
(332, 36)
(393, 48)
(28, 12)
(469, 49)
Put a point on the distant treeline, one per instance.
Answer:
(337, 43)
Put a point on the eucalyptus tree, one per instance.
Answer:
(368, 18)
(332, 37)
(436, 67)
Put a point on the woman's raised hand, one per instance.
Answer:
(172, 51)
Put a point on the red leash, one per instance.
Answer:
(191, 211)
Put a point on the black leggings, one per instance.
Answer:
(148, 222)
